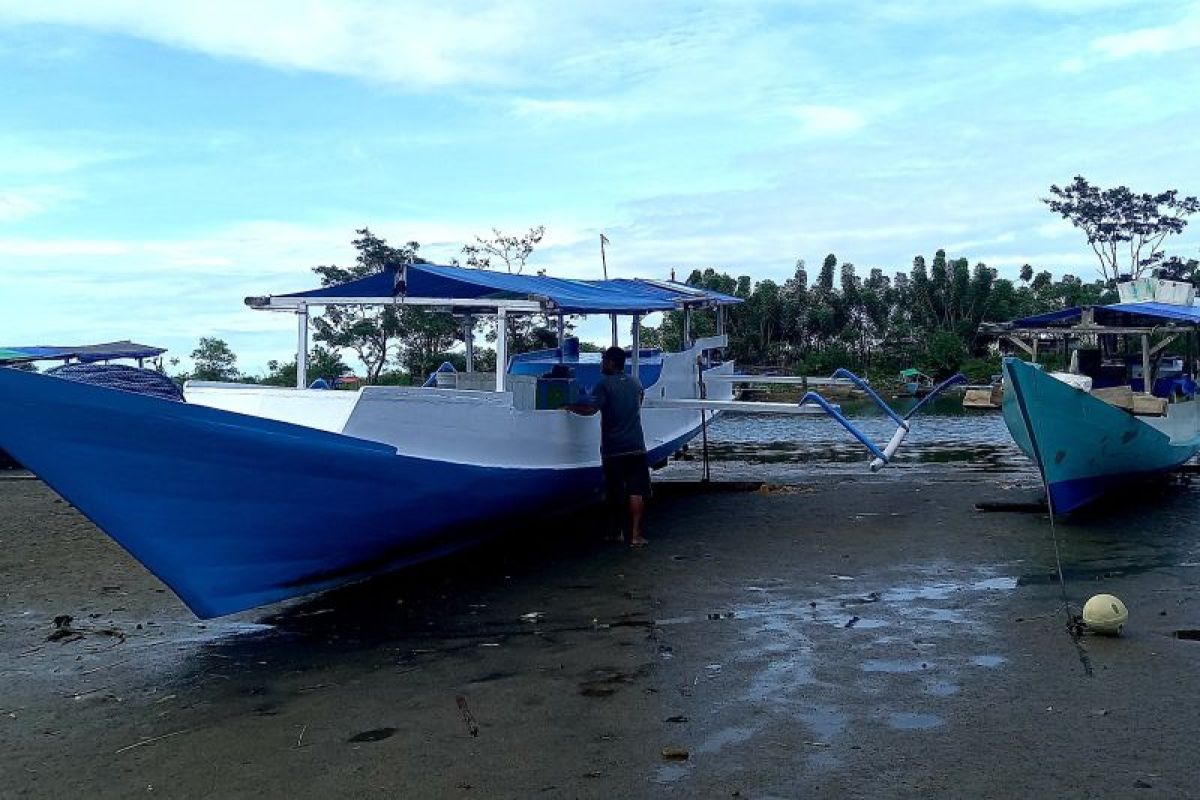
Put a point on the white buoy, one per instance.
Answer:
(1105, 613)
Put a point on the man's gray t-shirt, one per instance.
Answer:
(619, 398)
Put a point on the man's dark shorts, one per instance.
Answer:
(626, 475)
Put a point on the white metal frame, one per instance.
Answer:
(502, 308)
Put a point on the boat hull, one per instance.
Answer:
(234, 511)
(1084, 447)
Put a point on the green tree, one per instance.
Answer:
(508, 249)
(370, 332)
(512, 251)
(322, 363)
(1124, 228)
(214, 361)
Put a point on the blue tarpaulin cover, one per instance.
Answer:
(620, 296)
(1129, 314)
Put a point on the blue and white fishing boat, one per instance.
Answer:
(240, 495)
(1100, 425)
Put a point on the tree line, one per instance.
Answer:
(929, 316)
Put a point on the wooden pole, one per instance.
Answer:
(1147, 381)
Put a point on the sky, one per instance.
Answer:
(161, 161)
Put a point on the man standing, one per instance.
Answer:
(618, 398)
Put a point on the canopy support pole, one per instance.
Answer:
(1147, 382)
(469, 340)
(687, 329)
(501, 347)
(720, 320)
(613, 319)
(562, 331)
(301, 346)
(637, 345)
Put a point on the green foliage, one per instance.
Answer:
(510, 250)
(929, 317)
(1124, 228)
(526, 332)
(214, 361)
(413, 337)
(371, 333)
(980, 370)
(322, 363)
(944, 353)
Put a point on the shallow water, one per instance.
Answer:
(944, 434)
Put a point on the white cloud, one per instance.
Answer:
(20, 203)
(410, 43)
(822, 120)
(1183, 35)
(21, 156)
(561, 109)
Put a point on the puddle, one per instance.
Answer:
(883, 665)
(669, 773)
(221, 630)
(907, 721)
(942, 689)
(857, 623)
(952, 615)
(825, 723)
(1004, 582)
(988, 661)
(724, 738)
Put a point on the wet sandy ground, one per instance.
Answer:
(849, 637)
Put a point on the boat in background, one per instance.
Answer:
(1101, 427)
(985, 397)
(914, 383)
(26, 356)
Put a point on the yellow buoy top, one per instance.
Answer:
(1105, 613)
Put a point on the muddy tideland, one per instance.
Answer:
(846, 637)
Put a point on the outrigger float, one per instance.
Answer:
(244, 495)
(1116, 414)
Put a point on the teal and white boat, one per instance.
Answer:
(1100, 425)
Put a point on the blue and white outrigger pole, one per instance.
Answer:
(882, 456)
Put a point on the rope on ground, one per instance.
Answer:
(1074, 621)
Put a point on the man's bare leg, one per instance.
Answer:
(636, 505)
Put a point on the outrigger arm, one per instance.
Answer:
(881, 456)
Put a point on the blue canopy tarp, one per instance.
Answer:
(618, 296)
(1116, 314)
(87, 353)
